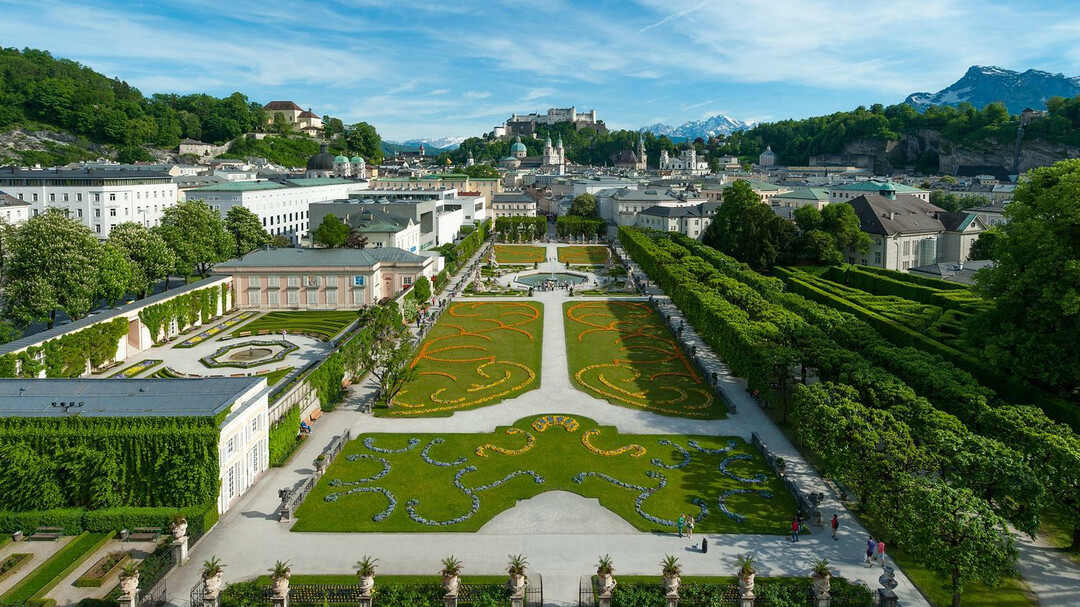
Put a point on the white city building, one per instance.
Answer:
(687, 161)
(513, 205)
(100, 199)
(12, 210)
(282, 206)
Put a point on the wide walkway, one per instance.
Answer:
(249, 539)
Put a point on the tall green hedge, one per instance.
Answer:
(68, 355)
(284, 436)
(887, 282)
(49, 463)
(76, 520)
(187, 309)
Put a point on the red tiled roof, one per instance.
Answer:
(282, 105)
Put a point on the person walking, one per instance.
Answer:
(689, 526)
(795, 530)
(881, 552)
(835, 526)
(870, 545)
(680, 523)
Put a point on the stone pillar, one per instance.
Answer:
(605, 598)
(747, 599)
(180, 550)
(280, 601)
(129, 600)
(672, 599)
(211, 601)
(450, 600)
(517, 599)
(823, 601)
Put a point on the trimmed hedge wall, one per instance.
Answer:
(76, 520)
(48, 463)
(878, 283)
(284, 437)
(194, 306)
(68, 355)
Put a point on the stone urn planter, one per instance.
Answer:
(604, 570)
(281, 586)
(516, 568)
(451, 573)
(179, 528)
(129, 583)
(451, 583)
(671, 584)
(671, 571)
(365, 575)
(747, 573)
(212, 572)
(820, 575)
(366, 583)
(213, 584)
(746, 583)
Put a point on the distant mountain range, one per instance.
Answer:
(717, 125)
(441, 143)
(983, 85)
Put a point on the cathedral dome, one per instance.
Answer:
(340, 159)
(322, 161)
(517, 146)
(356, 160)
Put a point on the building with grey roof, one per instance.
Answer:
(240, 402)
(324, 279)
(687, 220)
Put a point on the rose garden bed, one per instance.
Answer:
(458, 482)
(478, 354)
(623, 353)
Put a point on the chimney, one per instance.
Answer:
(892, 215)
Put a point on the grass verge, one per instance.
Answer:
(47, 575)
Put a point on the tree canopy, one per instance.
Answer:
(247, 230)
(331, 233)
(583, 205)
(150, 258)
(748, 230)
(197, 236)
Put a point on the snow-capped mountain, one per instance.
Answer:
(443, 143)
(982, 85)
(717, 125)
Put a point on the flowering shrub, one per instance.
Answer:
(427, 458)
(530, 440)
(543, 423)
(216, 329)
(636, 450)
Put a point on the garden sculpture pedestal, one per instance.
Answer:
(823, 601)
(127, 600)
(746, 599)
(180, 550)
(450, 600)
(211, 601)
(280, 601)
(672, 599)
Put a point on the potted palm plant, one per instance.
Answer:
(516, 568)
(671, 570)
(129, 578)
(279, 575)
(821, 575)
(179, 525)
(211, 575)
(604, 569)
(365, 573)
(746, 573)
(451, 574)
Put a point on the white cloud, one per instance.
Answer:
(673, 16)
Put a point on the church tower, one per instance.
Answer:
(643, 162)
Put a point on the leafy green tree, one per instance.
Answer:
(279, 125)
(333, 128)
(421, 290)
(331, 233)
(132, 154)
(115, 274)
(957, 535)
(820, 248)
(839, 220)
(583, 205)
(280, 241)
(362, 139)
(394, 368)
(246, 228)
(957, 202)
(983, 247)
(1034, 285)
(54, 264)
(748, 230)
(807, 218)
(197, 236)
(8, 332)
(480, 171)
(147, 254)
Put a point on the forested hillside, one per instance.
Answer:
(39, 92)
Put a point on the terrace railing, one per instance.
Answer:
(292, 499)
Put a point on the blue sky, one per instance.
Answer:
(431, 68)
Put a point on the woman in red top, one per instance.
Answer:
(795, 529)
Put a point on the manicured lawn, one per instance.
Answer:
(585, 255)
(622, 352)
(478, 354)
(442, 480)
(49, 573)
(325, 324)
(508, 253)
(1059, 532)
(277, 375)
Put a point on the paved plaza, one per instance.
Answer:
(561, 533)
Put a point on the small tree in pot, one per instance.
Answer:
(821, 575)
(365, 573)
(179, 525)
(672, 570)
(279, 575)
(129, 578)
(451, 574)
(516, 568)
(746, 573)
(604, 569)
(211, 575)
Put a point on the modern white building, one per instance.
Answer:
(687, 220)
(282, 206)
(12, 210)
(243, 439)
(513, 205)
(100, 199)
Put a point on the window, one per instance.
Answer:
(253, 282)
(907, 247)
(231, 485)
(97, 228)
(273, 281)
(112, 197)
(358, 281)
(97, 212)
(253, 298)
(294, 281)
(79, 213)
(254, 461)
(877, 257)
(78, 197)
(35, 197)
(52, 197)
(312, 298)
(255, 425)
(97, 197)
(230, 445)
(331, 282)
(65, 197)
(294, 299)
(272, 298)
(406, 281)
(331, 298)
(112, 212)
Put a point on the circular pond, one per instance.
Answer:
(540, 278)
(250, 354)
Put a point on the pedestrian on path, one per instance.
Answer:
(835, 526)
(795, 530)
(680, 523)
(870, 545)
(881, 552)
(689, 526)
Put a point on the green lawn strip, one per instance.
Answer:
(326, 323)
(586, 255)
(558, 456)
(1059, 533)
(505, 253)
(165, 373)
(1014, 592)
(50, 573)
(277, 375)
(13, 567)
(474, 344)
(350, 578)
(637, 363)
(126, 369)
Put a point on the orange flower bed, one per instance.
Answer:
(635, 449)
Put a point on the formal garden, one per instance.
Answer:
(520, 254)
(586, 255)
(457, 482)
(324, 324)
(477, 354)
(622, 352)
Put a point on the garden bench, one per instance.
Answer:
(144, 534)
(47, 533)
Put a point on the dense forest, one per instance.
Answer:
(795, 141)
(39, 90)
